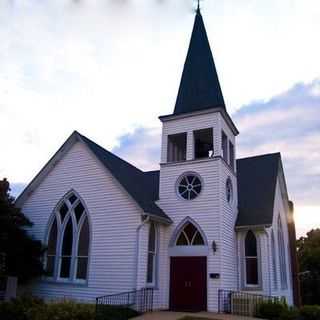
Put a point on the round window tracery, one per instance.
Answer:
(189, 186)
(229, 190)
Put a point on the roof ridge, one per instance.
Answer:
(109, 152)
(132, 179)
(149, 171)
(261, 155)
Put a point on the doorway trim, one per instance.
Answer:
(188, 251)
(203, 306)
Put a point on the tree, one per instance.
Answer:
(309, 260)
(20, 254)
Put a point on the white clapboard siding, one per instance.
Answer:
(209, 210)
(281, 208)
(228, 246)
(114, 218)
(265, 245)
(189, 124)
(204, 210)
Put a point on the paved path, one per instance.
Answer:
(167, 315)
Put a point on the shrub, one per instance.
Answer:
(30, 308)
(69, 310)
(310, 312)
(290, 313)
(23, 308)
(270, 310)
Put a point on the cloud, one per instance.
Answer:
(288, 123)
(141, 148)
(109, 67)
(16, 188)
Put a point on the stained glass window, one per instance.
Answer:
(189, 236)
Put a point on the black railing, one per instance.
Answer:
(122, 306)
(241, 303)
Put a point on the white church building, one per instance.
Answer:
(205, 221)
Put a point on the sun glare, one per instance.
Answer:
(306, 218)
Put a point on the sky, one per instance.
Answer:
(109, 68)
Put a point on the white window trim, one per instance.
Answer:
(245, 285)
(181, 177)
(154, 257)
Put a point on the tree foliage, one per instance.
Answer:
(309, 260)
(20, 254)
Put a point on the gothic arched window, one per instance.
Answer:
(68, 241)
(152, 254)
(251, 259)
(282, 256)
(190, 236)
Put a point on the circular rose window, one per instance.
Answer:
(189, 186)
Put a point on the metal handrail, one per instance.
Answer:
(139, 301)
(241, 303)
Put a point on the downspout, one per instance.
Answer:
(137, 250)
(269, 264)
(238, 260)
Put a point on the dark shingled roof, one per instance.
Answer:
(257, 178)
(199, 87)
(142, 186)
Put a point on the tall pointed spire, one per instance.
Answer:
(199, 87)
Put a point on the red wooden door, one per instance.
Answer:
(188, 283)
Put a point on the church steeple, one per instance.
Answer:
(199, 87)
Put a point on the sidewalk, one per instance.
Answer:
(168, 315)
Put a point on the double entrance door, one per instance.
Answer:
(188, 283)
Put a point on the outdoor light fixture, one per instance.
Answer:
(214, 246)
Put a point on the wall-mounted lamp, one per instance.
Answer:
(214, 246)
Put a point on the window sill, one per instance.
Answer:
(65, 282)
(252, 288)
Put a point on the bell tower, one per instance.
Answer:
(198, 179)
(199, 93)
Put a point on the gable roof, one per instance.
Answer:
(257, 180)
(199, 87)
(137, 183)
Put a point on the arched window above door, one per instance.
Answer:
(68, 241)
(189, 236)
